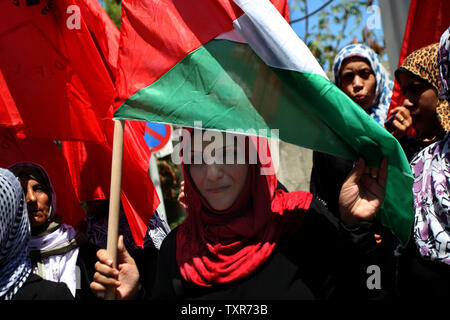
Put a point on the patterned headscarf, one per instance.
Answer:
(423, 64)
(15, 266)
(444, 64)
(431, 168)
(384, 83)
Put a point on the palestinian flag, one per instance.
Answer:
(239, 65)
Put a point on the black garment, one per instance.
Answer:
(87, 257)
(411, 146)
(327, 177)
(421, 279)
(322, 261)
(146, 260)
(36, 288)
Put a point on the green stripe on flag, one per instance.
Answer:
(226, 86)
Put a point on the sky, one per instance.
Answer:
(370, 17)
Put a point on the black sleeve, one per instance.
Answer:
(36, 288)
(410, 146)
(327, 177)
(167, 275)
(351, 252)
(87, 257)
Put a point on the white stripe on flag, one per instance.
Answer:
(273, 39)
(233, 35)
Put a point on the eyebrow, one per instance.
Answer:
(365, 68)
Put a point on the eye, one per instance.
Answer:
(39, 189)
(196, 158)
(413, 89)
(347, 76)
(416, 87)
(365, 73)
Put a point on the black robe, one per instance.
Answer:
(323, 260)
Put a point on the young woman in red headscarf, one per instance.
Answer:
(244, 239)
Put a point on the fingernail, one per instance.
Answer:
(109, 262)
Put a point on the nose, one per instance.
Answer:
(408, 104)
(214, 172)
(358, 83)
(31, 195)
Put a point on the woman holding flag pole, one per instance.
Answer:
(242, 238)
(250, 70)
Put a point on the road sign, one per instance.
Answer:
(157, 135)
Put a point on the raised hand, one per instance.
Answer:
(401, 122)
(363, 192)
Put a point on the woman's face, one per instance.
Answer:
(421, 99)
(219, 184)
(38, 202)
(358, 81)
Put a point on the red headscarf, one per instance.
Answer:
(220, 247)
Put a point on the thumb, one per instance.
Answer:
(122, 254)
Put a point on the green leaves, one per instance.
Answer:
(112, 8)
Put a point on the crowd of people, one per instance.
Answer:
(245, 236)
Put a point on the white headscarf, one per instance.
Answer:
(15, 266)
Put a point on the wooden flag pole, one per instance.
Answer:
(114, 197)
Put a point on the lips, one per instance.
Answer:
(360, 97)
(35, 212)
(217, 189)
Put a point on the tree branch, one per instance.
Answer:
(312, 13)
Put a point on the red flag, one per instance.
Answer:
(90, 167)
(427, 20)
(90, 163)
(52, 70)
(90, 181)
(9, 115)
(46, 154)
(58, 61)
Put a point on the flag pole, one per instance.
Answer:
(114, 197)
